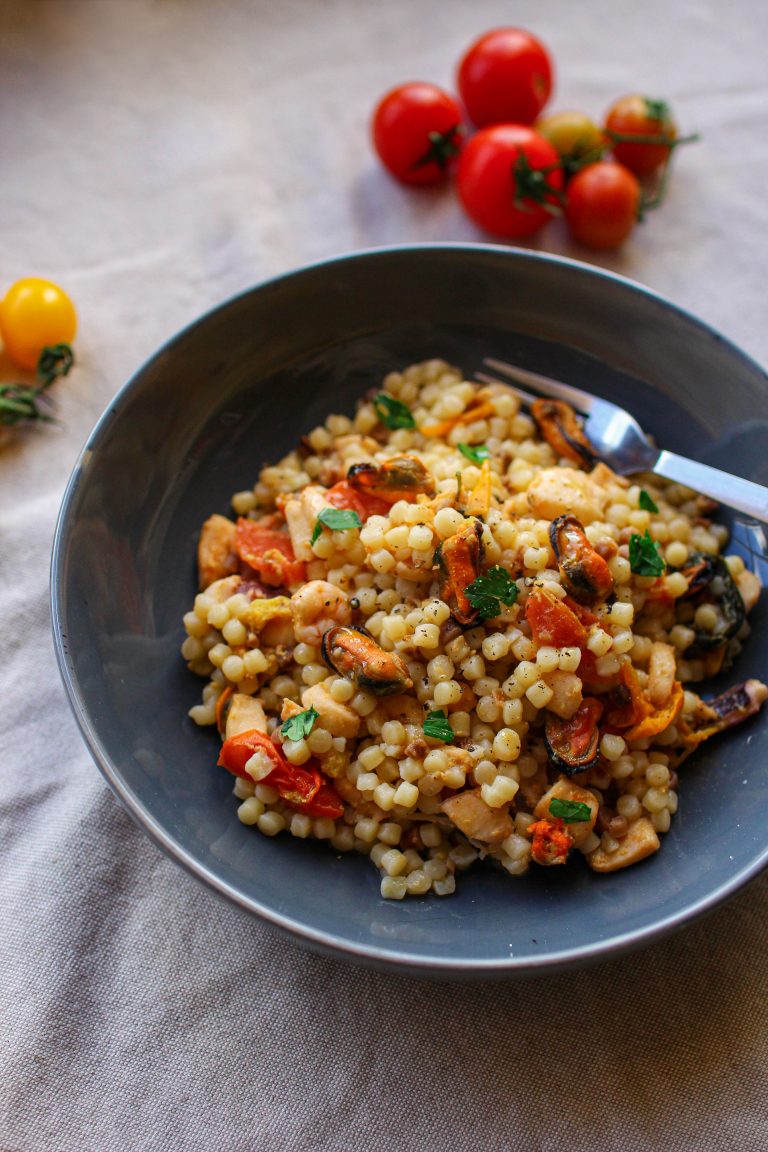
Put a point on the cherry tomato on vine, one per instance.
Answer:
(506, 76)
(637, 115)
(576, 139)
(35, 314)
(509, 180)
(417, 132)
(603, 205)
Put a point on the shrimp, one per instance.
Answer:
(317, 607)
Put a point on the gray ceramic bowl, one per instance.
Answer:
(235, 390)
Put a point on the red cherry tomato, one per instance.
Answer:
(505, 77)
(508, 180)
(649, 119)
(603, 205)
(417, 132)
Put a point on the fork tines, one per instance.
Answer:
(543, 385)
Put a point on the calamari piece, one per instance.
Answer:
(564, 789)
(216, 555)
(476, 819)
(640, 841)
(244, 713)
(339, 719)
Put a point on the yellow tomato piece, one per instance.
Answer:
(35, 314)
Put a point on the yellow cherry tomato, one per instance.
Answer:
(574, 136)
(33, 315)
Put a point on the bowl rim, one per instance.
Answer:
(324, 940)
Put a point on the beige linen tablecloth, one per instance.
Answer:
(156, 158)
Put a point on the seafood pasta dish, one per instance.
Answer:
(443, 631)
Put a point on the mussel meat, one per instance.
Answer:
(573, 744)
(584, 571)
(460, 558)
(730, 708)
(561, 428)
(356, 656)
(400, 478)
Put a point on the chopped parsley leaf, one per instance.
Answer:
(485, 592)
(646, 502)
(476, 453)
(645, 557)
(393, 413)
(572, 811)
(436, 726)
(298, 726)
(336, 519)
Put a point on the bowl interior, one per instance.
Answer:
(235, 391)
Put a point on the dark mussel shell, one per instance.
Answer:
(561, 428)
(710, 581)
(584, 570)
(573, 745)
(400, 478)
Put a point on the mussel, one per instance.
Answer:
(730, 708)
(460, 558)
(357, 657)
(573, 744)
(710, 582)
(400, 478)
(584, 571)
(561, 428)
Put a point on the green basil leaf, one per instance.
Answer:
(437, 727)
(476, 453)
(336, 519)
(393, 413)
(298, 726)
(572, 811)
(645, 557)
(646, 502)
(485, 592)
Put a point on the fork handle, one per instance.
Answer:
(744, 495)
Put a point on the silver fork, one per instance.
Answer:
(620, 441)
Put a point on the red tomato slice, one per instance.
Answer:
(237, 751)
(269, 552)
(301, 787)
(552, 622)
(343, 495)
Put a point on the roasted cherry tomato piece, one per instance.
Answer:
(269, 552)
(343, 495)
(34, 315)
(552, 622)
(651, 120)
(417, 132)
(603, 205)
(237, 751)
(509, 180)
(505, 77)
